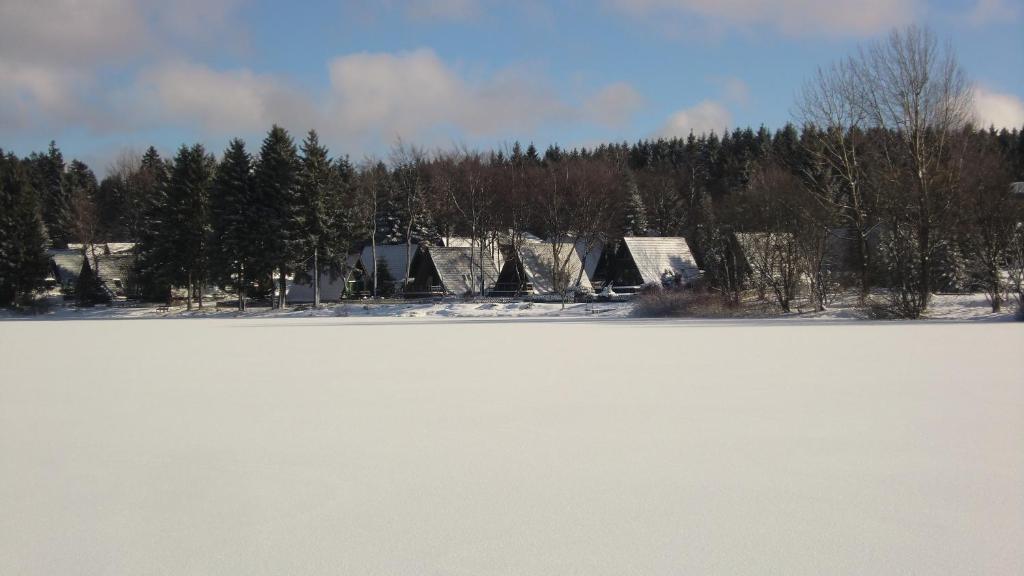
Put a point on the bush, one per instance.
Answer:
(681, 304)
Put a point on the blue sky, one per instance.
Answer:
(102, 76)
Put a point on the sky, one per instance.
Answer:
(102, 77)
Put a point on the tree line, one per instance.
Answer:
(886, 162)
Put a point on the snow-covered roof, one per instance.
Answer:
(110, 268)
(454, 270)
(393, 256)
(538, 261)
(107, 247)
(590, 258)
(67, 264)
(459, 242)
(654, 257)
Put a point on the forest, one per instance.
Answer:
(882, 156)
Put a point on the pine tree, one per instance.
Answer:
(276, 184)
(322, 236)
(23, 263)
(634, 219)
(88, 287)
(153, 249)
(233, 218)
(82, 188)
(48, 182)
(187, 235)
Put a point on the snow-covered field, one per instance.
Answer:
(576, 445)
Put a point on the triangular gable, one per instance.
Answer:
(539, 261)
(657, 257)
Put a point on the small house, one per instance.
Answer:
(113, 266)
(390, 264)
(640, 260)
(542, 268)
(445, 271)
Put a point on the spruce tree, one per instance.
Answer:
(276, 184)
(634, 219)
(187, 235)
(88, 287)
(153, 249)
(23, 262)
(319, 200)
(48, 181)
(234, 218)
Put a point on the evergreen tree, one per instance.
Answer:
(234, 257)
(89, 289)
(48, 181)
(322, 235)
(187, 235)
(634, 213)
(82, 188)
(532, 156)
(23, 262)
(276, 185)
(153, 249)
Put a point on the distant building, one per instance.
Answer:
(442, 270)
(114, 266)
(332, 288)
(640, 260)
(542, 268)
(390, 264)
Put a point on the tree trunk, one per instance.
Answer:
(924, 272)
(241, 288)
(188, 292)
(282, 285)
(273, 292)
(865, 268)
(373, 254)
(316, 277)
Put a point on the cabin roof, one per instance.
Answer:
(590, 258)
(656, 256)
(539, 262)
(393, 256)
(454, 271)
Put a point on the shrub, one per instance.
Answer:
(681, 304)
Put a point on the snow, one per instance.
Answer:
(287, 444)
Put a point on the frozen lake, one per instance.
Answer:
(562, 446)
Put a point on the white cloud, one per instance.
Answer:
(385, 95)
(217, 102)
(998, 109)
(371, 99)
(734, 89)
(791, 17)
(706, 116)
(613, 105)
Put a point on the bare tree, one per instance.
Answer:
(371, 188)
(575, 209)
(917, 96)
(832, 112)
(411, 184)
